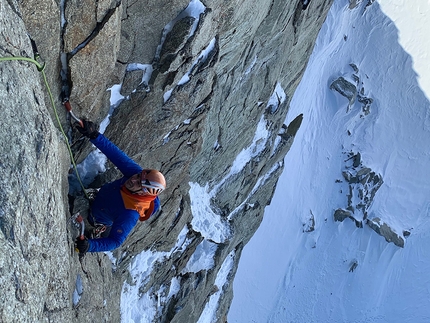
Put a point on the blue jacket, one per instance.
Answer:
(108, 207)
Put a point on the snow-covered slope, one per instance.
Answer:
(339, 272)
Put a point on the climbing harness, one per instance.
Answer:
(98, 231)
(41, 69)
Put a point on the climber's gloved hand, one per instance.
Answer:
(82, 245)
(88, 130)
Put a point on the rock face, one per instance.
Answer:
(34, 262)
(362, 183)
(204, 86)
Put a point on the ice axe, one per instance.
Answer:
(68, 107)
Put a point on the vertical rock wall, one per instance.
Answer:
(198, 94)
(34, 258)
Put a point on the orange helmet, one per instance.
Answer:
(153, 182)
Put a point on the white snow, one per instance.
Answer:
(112, 259)
(205, 220)
(175, 287)
(147, 70)
(341, 273)
(278, 97)
(209, 312)
(258, 144)
(412, 24)
(115, 99)
(167, 95)
(187, 76)
(194, 9)
(182, 241)
(251, 66)
(88, 169)
(260, 182)
(211, 225)
(202, 58)
(79, 289)
(137, 306)
(202, 258)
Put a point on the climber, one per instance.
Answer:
(119, 204)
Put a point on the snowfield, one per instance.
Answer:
(340, 272)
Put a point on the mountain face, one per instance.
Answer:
(205, 90)
(358, 157)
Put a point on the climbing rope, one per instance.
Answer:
(41, 69)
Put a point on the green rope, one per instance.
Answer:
(41, 68)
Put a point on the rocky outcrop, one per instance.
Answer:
(362, 182)
(386, 231)
(206, 90)
(353, 91)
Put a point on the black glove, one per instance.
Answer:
(88, 130)
(82, 245)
